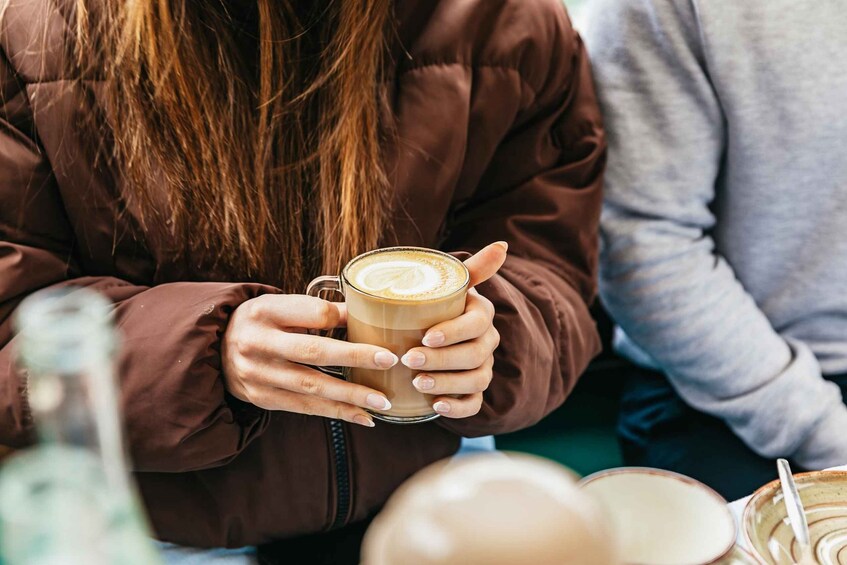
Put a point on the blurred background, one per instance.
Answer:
(577, 10)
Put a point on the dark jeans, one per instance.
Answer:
(657, 429)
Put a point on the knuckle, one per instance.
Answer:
(311, 352)
(486, 312)
(309, 407)
(483, 380)
(481, 353)
(481, 320)
(238, 389)
(242, 367)
(254, 308)
(310, 385)
(356, 357)
(489, 308)
(495, 338)
(255, 396)
(244, 343)
(324, 313)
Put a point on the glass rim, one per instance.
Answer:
(346, 281)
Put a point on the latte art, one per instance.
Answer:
(407, 275)
(398, 277)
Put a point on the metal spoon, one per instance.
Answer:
(796, 513)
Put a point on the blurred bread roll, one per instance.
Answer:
(492, 509)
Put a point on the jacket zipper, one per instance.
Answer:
(338, 439)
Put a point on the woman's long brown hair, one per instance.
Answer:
(265, 129)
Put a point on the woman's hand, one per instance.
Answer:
(266, 349)
(458, 355)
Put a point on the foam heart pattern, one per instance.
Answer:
(399, 278)
(407, 274)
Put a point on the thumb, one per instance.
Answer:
(486, 262)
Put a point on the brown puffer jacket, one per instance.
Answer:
(500, 138)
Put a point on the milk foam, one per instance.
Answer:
(407, 275)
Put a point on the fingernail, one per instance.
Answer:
(423, 382)
(378, 402)
(385, 359)
(414, 359)
(433, 339)
(441, 407)
(504, 245)
(363, 421)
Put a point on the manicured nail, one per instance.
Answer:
(363, 421)
(441, 407)
(504, 245)
(385, 359)
(378, 402)
(413, 359)
(423, 382)
(433, 339)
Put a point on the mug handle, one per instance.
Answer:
(318, 286)
(324, 283)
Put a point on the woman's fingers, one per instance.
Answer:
(462, 407)
(342, 314)
(323, 351)
(295, 311)
(477, 319)
(271, 398)
(305, 380)
(459, 357)
(462, 382)
(266, 358)
(486, 262)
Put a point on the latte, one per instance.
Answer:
(407, 274)
(393, 297)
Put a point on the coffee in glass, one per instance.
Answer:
(394, 295)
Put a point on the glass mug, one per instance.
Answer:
(398, 323)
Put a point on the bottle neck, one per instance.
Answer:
(66, 356)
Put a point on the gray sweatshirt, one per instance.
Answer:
(725, 231)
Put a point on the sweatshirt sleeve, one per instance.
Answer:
(541, 193)
(177, 416)
(662, 280)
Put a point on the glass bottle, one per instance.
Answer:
(70, 499)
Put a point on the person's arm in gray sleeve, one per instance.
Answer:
(661, 277)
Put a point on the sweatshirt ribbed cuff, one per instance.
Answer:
(827, 444)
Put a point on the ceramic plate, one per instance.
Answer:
(824, 495)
